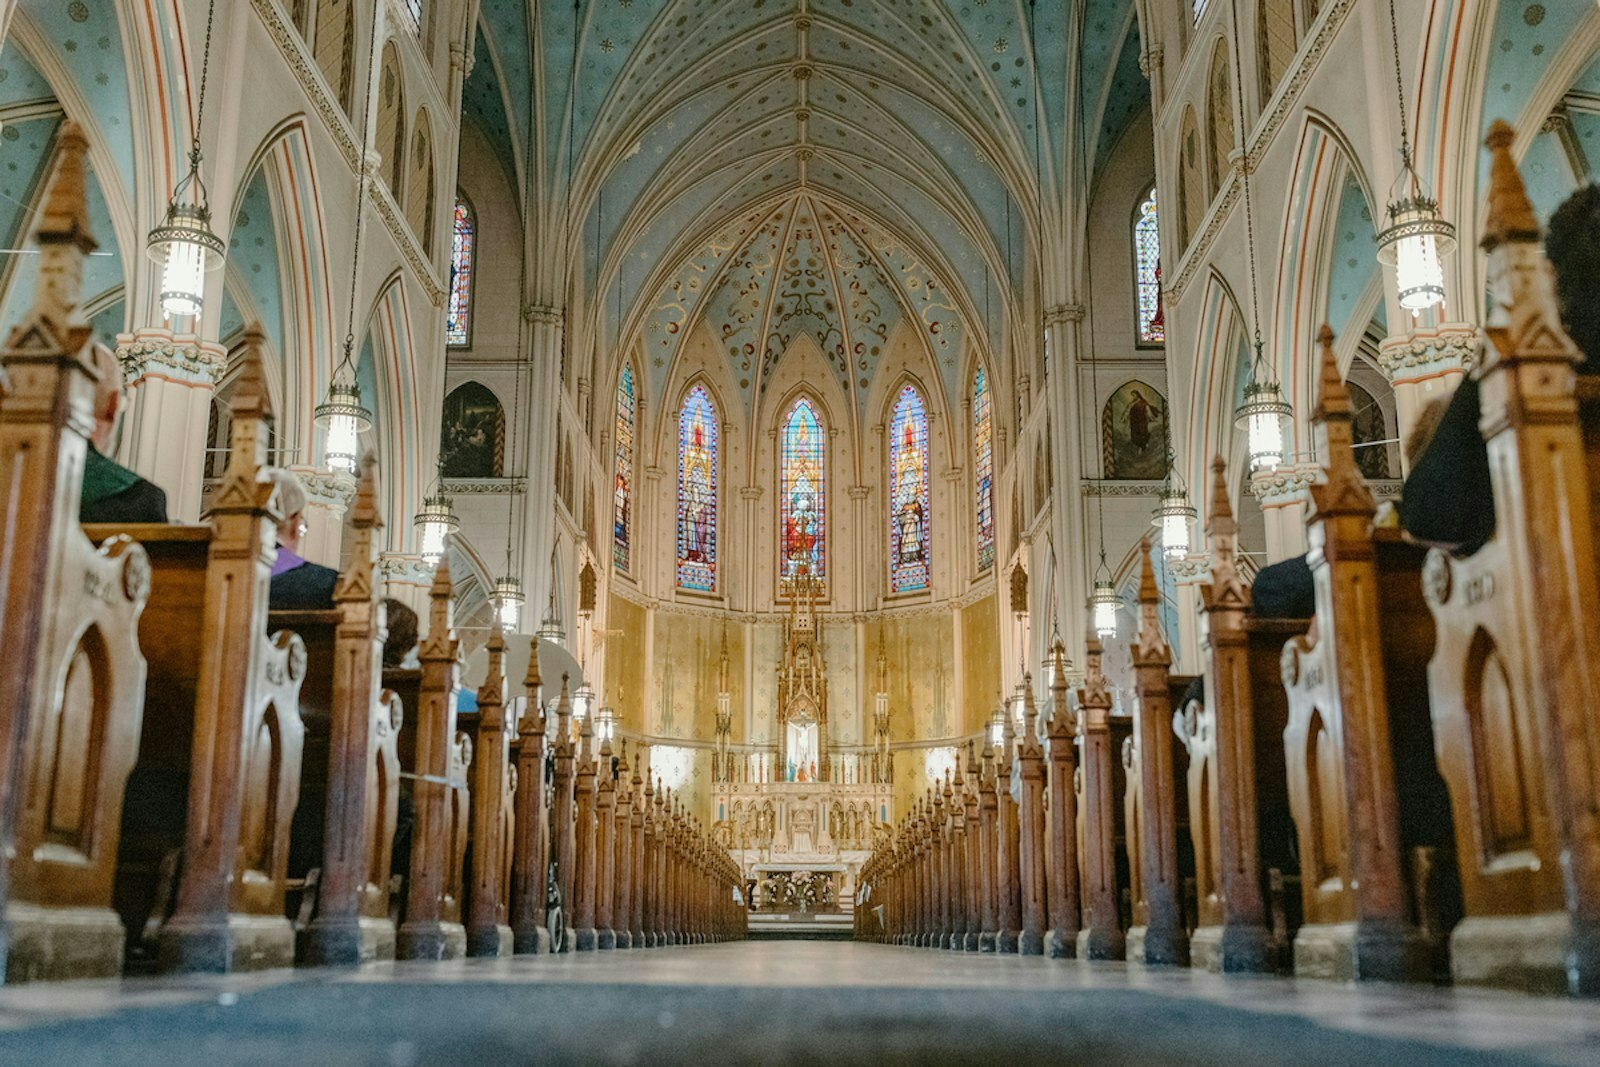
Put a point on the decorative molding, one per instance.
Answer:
(1267, 127)
(477, 486)
(1118, 487)
(338, 124)
(326, 488)
(160, 354)
(404, 567)
(1190, 570)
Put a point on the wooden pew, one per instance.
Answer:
(1099, 832)
(1239, 818)
(1155, 809)
(72, 692)
(1358, 746)
(1515, 676)
(493, 786)
(1065, 910)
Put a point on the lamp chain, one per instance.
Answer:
(1399, 88)
(200, 102)
(361, 199)
(1249, 210)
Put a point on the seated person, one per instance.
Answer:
(112, 492)
(1447, 500)
(1285, 590)
(400, 647)
(297, 584)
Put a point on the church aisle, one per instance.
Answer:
(777, 1002)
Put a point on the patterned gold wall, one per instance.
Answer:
(980, 662)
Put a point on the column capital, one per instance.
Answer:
(327, 488)
(1149, 60)
(178, 358)
(1190, 570)
(544, 314)
(1061, 313)
(405, 568)
(1426, 355)
(749, 492)
(859, 492)
(1282, 485)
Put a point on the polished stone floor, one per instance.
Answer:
(779, 1002)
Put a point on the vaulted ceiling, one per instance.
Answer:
(832, 166)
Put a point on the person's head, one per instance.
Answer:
(402, 632)
(292, 496)
(1573, 248)
(107, 397)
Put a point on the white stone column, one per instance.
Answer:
(328, 494)
(1424, 366)
(751, 555)
(169, 379)
(860, 526)
(407, 578)
(1190, 572)
(1064, 334)
(544, 325)
(1285, 501)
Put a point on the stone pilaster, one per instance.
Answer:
(406, 578)
(1284, 497)
(1425, 365)
(328, 494)
(169, 378)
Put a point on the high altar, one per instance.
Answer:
(800, 807)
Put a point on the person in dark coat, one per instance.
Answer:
(112, 492)
(297, 583)
(1447, 500)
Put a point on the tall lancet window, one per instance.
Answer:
(697, 493)
(622, 489)
(983, 465)
(463, 252)
(908, 493)
(802, 500)
(1147, 273)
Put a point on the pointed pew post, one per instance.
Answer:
(219, 923)
(563, 819)
(622, 892)
(640, 800)
(487, 933)
(988, 821)
(972, 878)
(1008, 914)
(940, 934)
(1165, 940)
(1241, 942)
(657, 829)
(340, 934)
(1544, 500)
(56, 917)
(530, 865)
(584, 934)
(1103, 938)
(954, 805)
(1030, 756)
(1360, 929)
(649, 887)
(424, 935)
(1066, 911)
(605, 813)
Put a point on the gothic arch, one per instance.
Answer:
(390, 135)
(420, 195)
(1221, 121)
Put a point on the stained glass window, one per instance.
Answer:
(622, 490)
(414, 9)
(983, 465)
(458, 320)
(908, 493)
(697, 493)
(802, 503)
(1147, 273)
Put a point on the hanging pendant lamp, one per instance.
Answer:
(1418, 237)
(342, 417)
(1174, 513)
(184, 244)
(436, 521)
(1261, 416)
(508, 601)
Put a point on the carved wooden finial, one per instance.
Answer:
(1333, 399)
(249, 400)
(491, 694)
(440, 643)
(532, 681)
(1343, 489)
(56, 322)
(533, 720)
(1149, 592)
(1221, 510)
(355, 583)
(66, 207)
(1510, 216)
(1149, 648)
(564, 718)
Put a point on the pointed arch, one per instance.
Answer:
(802, 491)
(910, 499)
(699, 458)
(983, 464)
(391, 133)
(1220, 120)
(626, 424)
(1191, 179)
(419, 183)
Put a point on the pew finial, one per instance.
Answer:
(533, 723)
(1222, 522)
(564, 717)
(492, 693)
(56, 320)
(1096, 692)
(1510, 217)
(1149, 647)
(1343, 490)
(440, 644)
(356, 581)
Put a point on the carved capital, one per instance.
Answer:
(749, 492)
(1280, 485)
(543, 314)
(1060, 313)
(326, 488)
(1150, 61)
(1190, 570)
(405, 567)
(1424, 355)
(160, 354)
(859, 492)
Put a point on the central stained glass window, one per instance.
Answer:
(802, 499)
(697, 493)
(908, 493)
